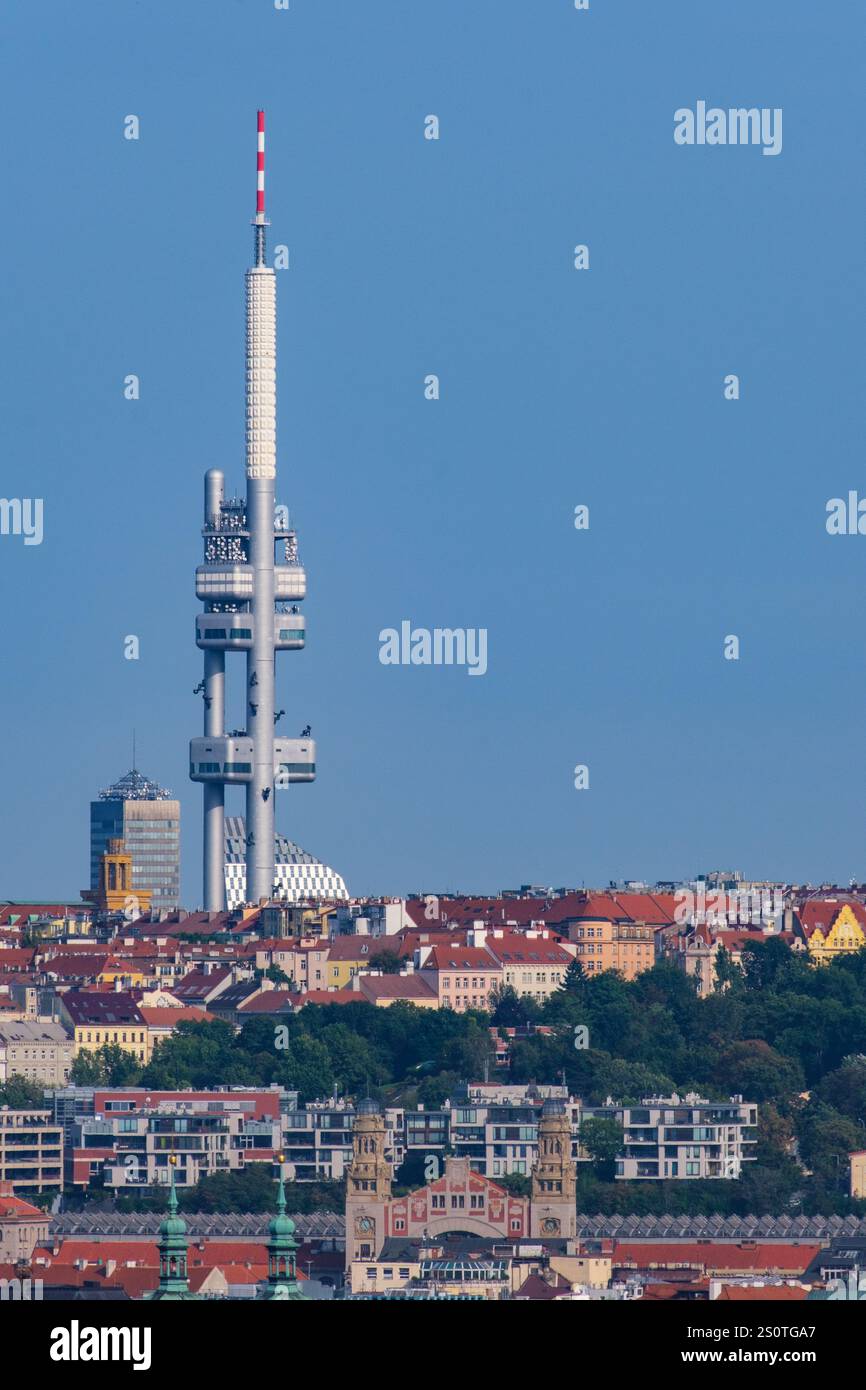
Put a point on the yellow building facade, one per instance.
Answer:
(844, 934)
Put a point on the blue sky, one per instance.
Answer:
(558, 387)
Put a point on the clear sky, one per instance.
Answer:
(558, 388)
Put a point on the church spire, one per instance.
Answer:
(282, 1250)
(173, 1247)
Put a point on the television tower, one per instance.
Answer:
(250, 605)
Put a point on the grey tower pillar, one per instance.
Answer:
(214, 726)
(260, 692)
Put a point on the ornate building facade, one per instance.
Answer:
(457, 1199)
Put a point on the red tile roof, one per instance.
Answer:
(270, 1001)
(161, 1018)
(12, 1206)
(84, 967)
(199, 983)
(821, 913)
(360, 948)
(16, 958)
(769, 1293)
(329, 996)
(394, 987)
(460, 958)
(514, 949)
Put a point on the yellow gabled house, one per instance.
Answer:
(831, 927)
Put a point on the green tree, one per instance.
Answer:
(387, 961)
(278, 976)
(87, 1070)
(510, 1009)
(754, 1069)
(602, 1139)
(826, 1138)
(305, 1066)
(726, 972)
(845, 1089)
(20, 1094)
(574, 979)
(435, 1090)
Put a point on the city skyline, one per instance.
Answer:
(558, 389)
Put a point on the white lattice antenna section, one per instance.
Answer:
(261, 373)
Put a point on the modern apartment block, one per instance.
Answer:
(502, 1138)
(31, 1151)
(132, 1137)
(683, 1138)
(498, 1134)
(128, 1136)
(317, 1138)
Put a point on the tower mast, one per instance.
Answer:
(261, 476)
(243, 589)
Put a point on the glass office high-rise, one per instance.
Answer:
(147, 819)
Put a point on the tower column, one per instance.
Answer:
(214, 792)
(260, 692)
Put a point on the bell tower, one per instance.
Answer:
(554, 1182)
(368, 1185)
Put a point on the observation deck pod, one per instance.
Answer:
(234, 583)
(233, 632)
(228, 759)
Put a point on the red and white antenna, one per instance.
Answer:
(260, 169)
(260, 221)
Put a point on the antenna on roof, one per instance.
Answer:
(133, 751)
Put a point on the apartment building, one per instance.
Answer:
(532, 963)
(462, 977)
(317, 1137)
(682, 1138)
(39, 1050)
(31, 1151)
(132, 1137)
(100, 1019)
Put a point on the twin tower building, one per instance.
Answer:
(456, 1199)
(251, 584)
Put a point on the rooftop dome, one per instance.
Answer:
(134, 786)
(553, 1107)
